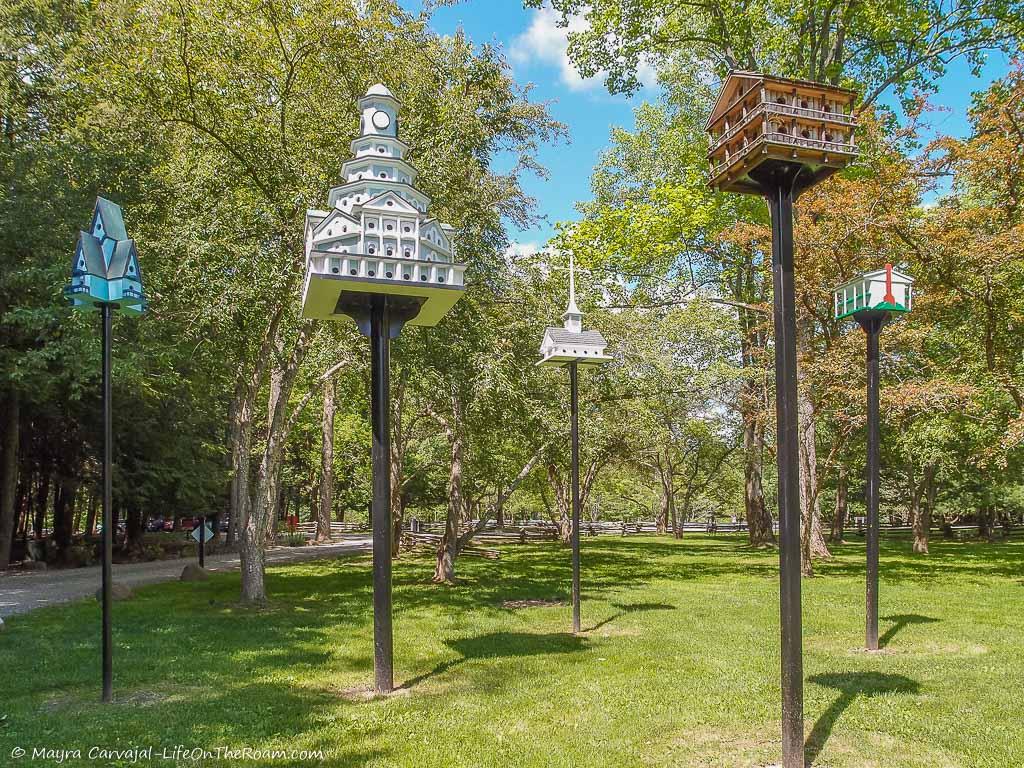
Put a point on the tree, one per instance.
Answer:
(876, 44)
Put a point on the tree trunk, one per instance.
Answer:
(134, 529)
(42, 499)
(562, 502)
(923, 521)
(839, 516)
(63, 508)
(265, 493)
(8, 475)
(662, 523)
(986, 514)
(396, 461)
(759, 520)
(240, 426)
(326, 496)
(499, 510)
(447, 550)
(90, 518)
(812, 543)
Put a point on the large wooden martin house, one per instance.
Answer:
(759, 119)
(571, 343)
(106, 269)
(376, 235)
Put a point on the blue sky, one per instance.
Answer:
(535, 48)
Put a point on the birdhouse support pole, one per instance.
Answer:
(779, 192)
(380, 396)
(575, 437)
(872, 324)
(106, 315)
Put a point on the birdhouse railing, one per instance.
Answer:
(774, 137)
(812, 113)
(393, 268)
(852, 297)
(843, 147)
(767, 109)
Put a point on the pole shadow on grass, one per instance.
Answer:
(850, 685)
(502, 645)
(899, 622)
(624, 608)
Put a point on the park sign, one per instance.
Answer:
(105, 269)
(884, 290)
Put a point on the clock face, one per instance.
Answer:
(381, 119)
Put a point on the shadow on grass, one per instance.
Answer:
(624, 608)
(501, 644)
(899, 622)
(850, 685)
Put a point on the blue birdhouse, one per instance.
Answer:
(106, 265)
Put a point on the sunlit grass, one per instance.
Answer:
(678, 664)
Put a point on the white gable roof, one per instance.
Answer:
(328, 220)
(399, 203)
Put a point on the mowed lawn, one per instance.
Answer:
(678, 664)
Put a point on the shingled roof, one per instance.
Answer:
(562, 336)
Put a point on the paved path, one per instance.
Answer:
(23, 591)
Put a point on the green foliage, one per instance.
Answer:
(876, 45)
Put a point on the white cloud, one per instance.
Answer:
(518, 251)
(544, 41)
(547, 43)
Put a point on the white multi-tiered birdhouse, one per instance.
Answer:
(571, 343)
(885, 290)
(377, 236)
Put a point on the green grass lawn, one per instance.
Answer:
(678, 664)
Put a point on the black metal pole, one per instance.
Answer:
(575, 430)
(872, 328)
(106, 311)
(780, 204)
(202, 542)
(380, 343)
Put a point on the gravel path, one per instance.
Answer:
(23, 591)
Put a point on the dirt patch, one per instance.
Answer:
(366, 693)
(533, 603)
(142, 698)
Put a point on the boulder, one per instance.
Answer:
(33, 565)
(192, 572)
(117, 591)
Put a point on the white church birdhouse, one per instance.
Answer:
(760, 120)
(571, 343)
(376, 235)
(885, 290)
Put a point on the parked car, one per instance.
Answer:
(156, 524)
